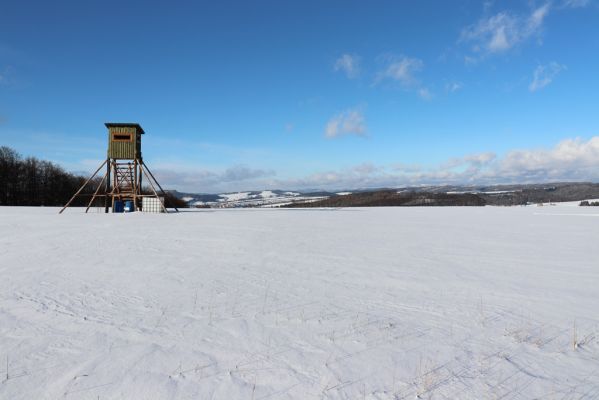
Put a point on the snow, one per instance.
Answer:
(266, 198)
(375, 303)
(482, 192)
(343, 193)
(235, 196)
(267, 193)
(498, 191)
(574, 203)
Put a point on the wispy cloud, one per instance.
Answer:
(535, 21)
(425, 94)
(453, 86)
(349, 122)
(237, 177)
(349, 64)
(243, 173)
(503, 31)
(543, 75)
(6, 76)
(400, 69)
(404, 71)
(575, 3)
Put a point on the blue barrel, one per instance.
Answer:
(129, 206)
(118, 206)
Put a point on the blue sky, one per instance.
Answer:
(241, 95)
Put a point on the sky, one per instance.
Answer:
(298, 95)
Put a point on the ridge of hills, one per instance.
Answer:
(446, 195)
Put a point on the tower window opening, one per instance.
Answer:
(121, 137)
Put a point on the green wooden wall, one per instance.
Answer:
(123, 149)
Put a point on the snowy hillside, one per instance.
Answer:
(378, 303)
(265, 198)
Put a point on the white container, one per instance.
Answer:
(152, 204)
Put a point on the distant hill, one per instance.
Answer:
(527, 194)
(264, 198)
(471, 195)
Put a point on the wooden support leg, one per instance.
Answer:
(141, 186)
(108, 189)
(135, 185)
(82, 187)
(160, 187)
(96, 193)
(143, 170)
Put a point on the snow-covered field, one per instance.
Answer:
(379, 303)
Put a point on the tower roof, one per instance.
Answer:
(124, 125)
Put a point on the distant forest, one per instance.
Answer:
(507, 195)
(34, 182)
(388, 198)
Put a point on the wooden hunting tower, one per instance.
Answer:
(124, 141)
(125, 165)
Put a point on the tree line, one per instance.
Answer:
(33, 182)
(391, 198)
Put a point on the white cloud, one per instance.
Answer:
(349, 64)
(570, 160)
(543, 75)
(503, 31)
(402, 70)
(349, 122)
